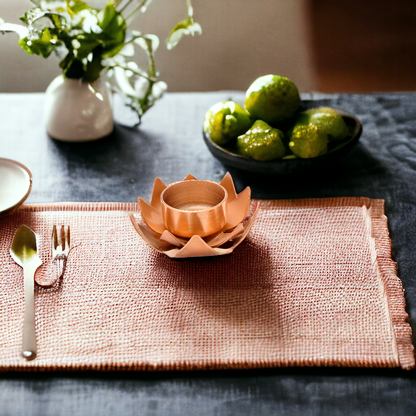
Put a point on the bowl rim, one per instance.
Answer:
(177, 183)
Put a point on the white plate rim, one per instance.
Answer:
(9, 210)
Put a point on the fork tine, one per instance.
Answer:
(62, 241)
(54, 237)
(68, 238)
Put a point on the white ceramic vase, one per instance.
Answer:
(77, 111)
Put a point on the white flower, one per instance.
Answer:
(158, 89)
(76, 44)
(123, 82)
(133, 66)
(89, 21)
(141, 86)
(114, 61)
(143, 44)
(144, 5)
(176, 35)
(128, 50)
(52, 5)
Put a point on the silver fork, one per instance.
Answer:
(61, 243)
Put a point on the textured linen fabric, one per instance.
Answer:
(313, 284)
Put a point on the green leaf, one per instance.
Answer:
(31, 18)
(42, 46)
(111, 21)
(109, 52)
(113, 28)
(25, 18)
(106, 17)
(56, 20)
(67, 61)
(75, 6)
(86, 47)
(94, 68)
(23, 44)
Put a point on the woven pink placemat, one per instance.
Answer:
(313, 285)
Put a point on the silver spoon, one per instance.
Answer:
(24, 253)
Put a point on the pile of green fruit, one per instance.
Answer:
(272, 125)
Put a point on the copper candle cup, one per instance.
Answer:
(194, 208)
(195, 218)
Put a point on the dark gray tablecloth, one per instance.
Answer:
(169, 144)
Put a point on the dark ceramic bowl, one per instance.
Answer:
(229, 157)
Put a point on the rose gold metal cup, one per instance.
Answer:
(194, 207)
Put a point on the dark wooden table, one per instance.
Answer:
(169, 144)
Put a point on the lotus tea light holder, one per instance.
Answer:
(195, 218)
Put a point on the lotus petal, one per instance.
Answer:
(247, 225)
(237, 209)
(196, 247)
(222, 251)
(158, 188)
(172, 239)
(150, 237)
(152, 216)
(223, 237)
(190, 178)
(228, 183)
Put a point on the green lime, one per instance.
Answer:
(261, 142)
(272, 98)
(308, 141)
(326, 119)
(225, 121)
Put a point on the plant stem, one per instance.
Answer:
(190, 8)
(126, 5)
(139, 74)
(136, 9)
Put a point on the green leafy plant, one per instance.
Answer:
(91, 40)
